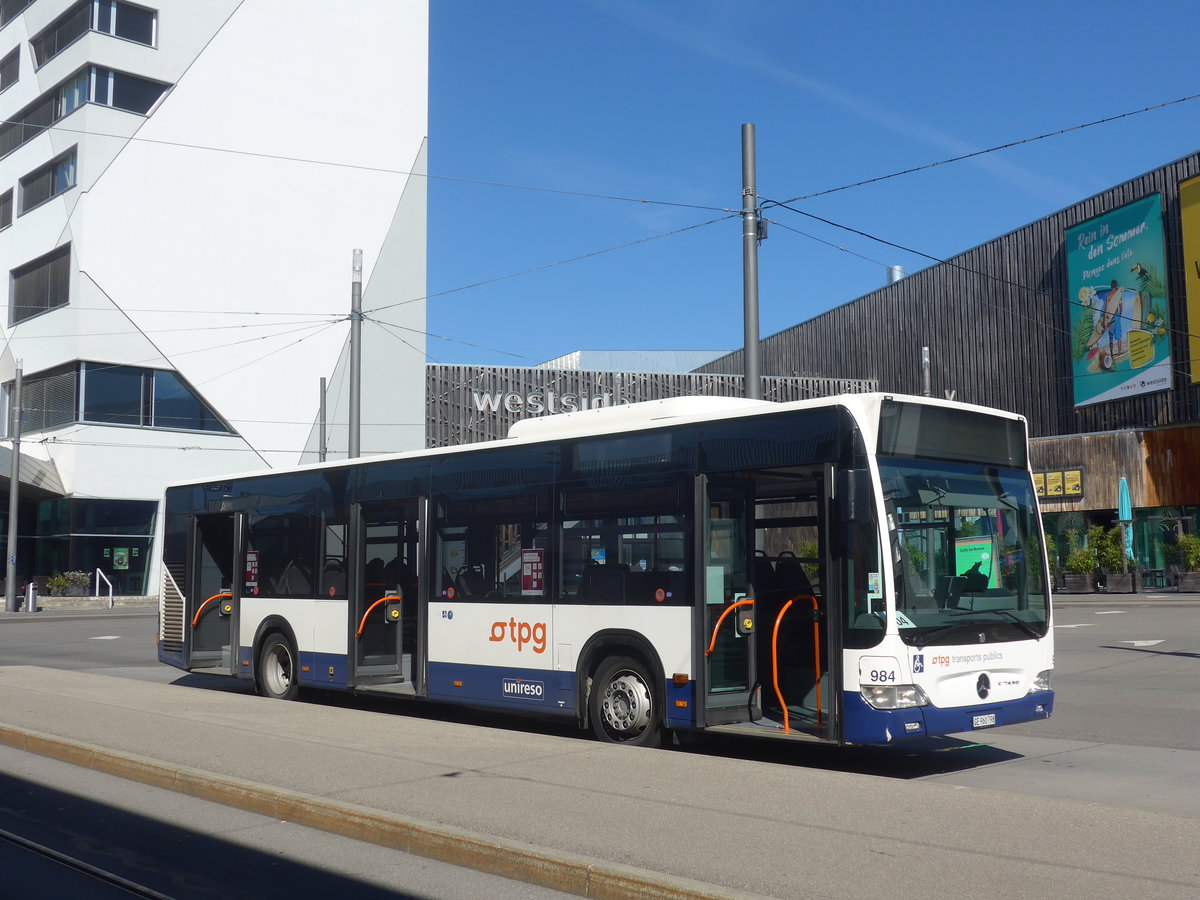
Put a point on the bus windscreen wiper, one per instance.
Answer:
(1007, 613)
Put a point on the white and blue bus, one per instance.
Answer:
(858, 569)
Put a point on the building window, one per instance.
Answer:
(6, 209)
(41, 285)
(113, 394)
(10, 68)
(10, 9)
(123, 20)
(175, 405)
(123, 91)
(54, 178)
(61, 33)
(148, 398)
(91, 84)
(47, 399)
(101, 393)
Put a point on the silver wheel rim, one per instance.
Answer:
(625, 705)
(277, 672)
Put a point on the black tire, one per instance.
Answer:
(624, 705)
(278, 672)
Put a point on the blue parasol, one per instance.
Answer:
(1125, 514)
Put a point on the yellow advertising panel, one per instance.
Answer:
(1039, 483)
(1073, 483)
(1054, 484)
(1189, 205)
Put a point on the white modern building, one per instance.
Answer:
(182, 186)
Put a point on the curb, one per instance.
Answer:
(563, 871)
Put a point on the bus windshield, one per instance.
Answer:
(966, 551)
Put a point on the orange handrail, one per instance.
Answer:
(775, 663)
(363, 623)
(816, 656)
(775, 649)
(730, 608)
(200, 611)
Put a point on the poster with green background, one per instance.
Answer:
(1116, 276)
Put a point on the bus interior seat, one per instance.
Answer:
(793, 579)
(762, 576)
(295, 580)
(603, 584)
(472, 581)
(334, 578)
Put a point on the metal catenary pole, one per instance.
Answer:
(750, 238)
(323, 447)
(355, 358)
(14, 490)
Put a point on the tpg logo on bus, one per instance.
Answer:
(520, 633)
(519, 687)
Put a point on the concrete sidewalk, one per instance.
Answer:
(592, 819)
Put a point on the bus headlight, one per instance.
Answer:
(896, 696)
(1040, 683)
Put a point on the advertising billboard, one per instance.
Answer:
(1116, 277)
(1189, 205)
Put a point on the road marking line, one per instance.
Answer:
(1140, 643)
(1080, 625)
(106, 637)
(1111, 612)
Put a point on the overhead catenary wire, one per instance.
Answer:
(977, 153)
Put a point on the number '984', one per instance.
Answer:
(878, 675)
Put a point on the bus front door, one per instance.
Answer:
(728, 619)
(385, 628)
(211, 601)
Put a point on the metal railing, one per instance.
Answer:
(100, 575)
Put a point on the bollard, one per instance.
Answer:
(31, 597)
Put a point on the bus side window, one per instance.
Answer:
(493, 547)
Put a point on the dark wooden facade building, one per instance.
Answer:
(997, 322)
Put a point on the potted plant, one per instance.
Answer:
(1080, 570)
(1112, 560)
(1188, 550)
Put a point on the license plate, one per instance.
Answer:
(988, 721)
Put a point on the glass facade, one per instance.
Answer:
(114, 536)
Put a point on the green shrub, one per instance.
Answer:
(1081, 561)
(1188, 550)
(66, 584)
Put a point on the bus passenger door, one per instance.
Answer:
(727, 614)
(211, 602)
(384, 612)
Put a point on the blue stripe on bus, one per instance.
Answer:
(326, 670)
(546, 691)
(549, 692)
(681, 716)
(862, 724)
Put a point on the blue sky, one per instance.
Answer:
(645, 99)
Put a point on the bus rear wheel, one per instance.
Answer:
(277, 673)
(623, 704)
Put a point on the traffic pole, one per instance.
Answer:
(750, 237)
(11, 604)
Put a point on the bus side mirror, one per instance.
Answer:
(854, 494)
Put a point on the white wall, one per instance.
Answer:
(218, 240)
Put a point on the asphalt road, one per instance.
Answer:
(1123, 733)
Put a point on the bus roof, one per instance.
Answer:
(632, 417)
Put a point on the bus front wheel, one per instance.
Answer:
(623, 705)
(278, 674)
